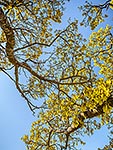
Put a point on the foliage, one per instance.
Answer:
(58, 69)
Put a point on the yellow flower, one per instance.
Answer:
(111, 4)
(25, 138)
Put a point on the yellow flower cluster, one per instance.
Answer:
(98, 39)
(35, 140)
(98, 94)
(101, 51)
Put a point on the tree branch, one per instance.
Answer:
(90, 114)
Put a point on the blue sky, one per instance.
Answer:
(15, 116)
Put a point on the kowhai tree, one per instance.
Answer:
(57, 69)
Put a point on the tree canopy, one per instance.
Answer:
(55, 71)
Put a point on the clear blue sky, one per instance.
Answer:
(15, 116)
